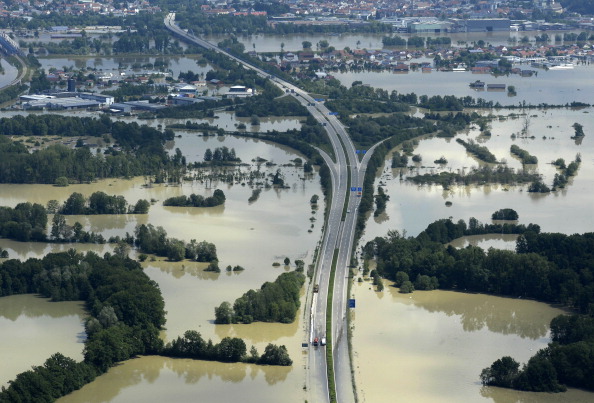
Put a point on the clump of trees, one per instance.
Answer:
(523, 155)
(151, 239)
(567, 361)
(381, 199)
(273, 302)
(229, 349)
(194, 200)
(505, 214)
(101, 203)
(398, 160)
(578, 130)
(25, 222)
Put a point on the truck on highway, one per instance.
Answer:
(316, 288)
(323, 342)
(316, 342)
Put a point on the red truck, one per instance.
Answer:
(316, 342)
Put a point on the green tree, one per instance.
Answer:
(141, 207)
(275, 355)
(502, 372)
(224, 313)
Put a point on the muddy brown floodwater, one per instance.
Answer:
(430, 346)
(253, 235)
(34, 328)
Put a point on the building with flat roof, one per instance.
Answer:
(240, 91)
(487, 25)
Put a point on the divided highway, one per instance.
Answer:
(346, 172)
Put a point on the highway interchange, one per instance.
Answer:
(339, 231)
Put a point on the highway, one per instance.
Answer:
(338, 235)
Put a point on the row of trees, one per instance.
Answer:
(273, 302)
(483, 174)
(480, 152)
(221, 154)
(194, 200)
(230, 349)
(567, 361)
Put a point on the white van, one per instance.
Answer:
(323, 342)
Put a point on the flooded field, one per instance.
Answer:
(412, 207)
(33, 329)
(253, 235)
(430, 346)
(294, 42)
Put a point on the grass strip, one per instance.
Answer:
(329, 358)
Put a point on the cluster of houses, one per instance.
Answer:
(27, 9)
(404, 60)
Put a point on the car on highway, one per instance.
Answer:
(316, 342)
(323, 342)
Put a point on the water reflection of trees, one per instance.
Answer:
(181, 269)
(148, 369)
(32, 306)
(259, 332)
(499, 315)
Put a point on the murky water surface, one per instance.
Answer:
(432, 346)
(33, 329)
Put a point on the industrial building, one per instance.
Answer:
(436, 27)
(487, 25)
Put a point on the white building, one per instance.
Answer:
(239, 91)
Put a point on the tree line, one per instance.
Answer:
(273, 302)
(523, 155)
(484, 174)
(480, 152)
(550, 267)
(142, 151)
(194, 200)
